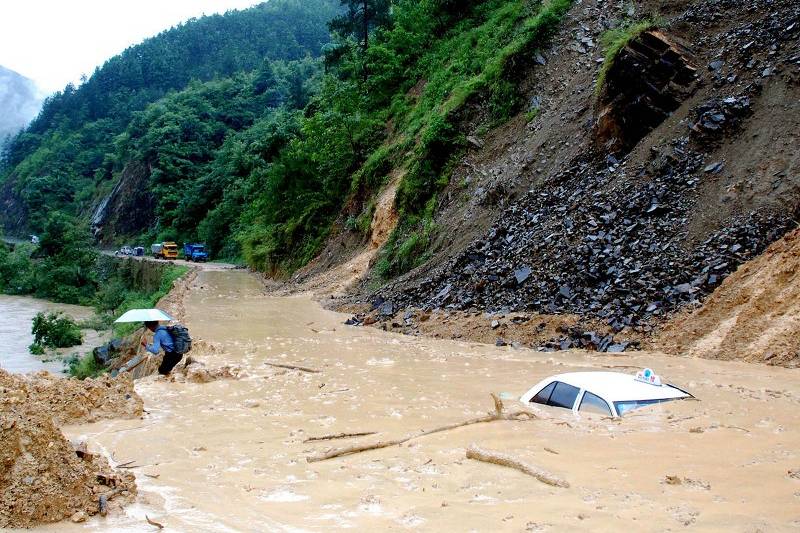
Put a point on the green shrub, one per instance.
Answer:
(36, 349)
(503, 102)
(84, 367)
(55, 330)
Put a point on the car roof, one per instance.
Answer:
(617, 387)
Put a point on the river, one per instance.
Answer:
(17, 312)
(230, 455)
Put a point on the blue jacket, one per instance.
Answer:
(161, 339)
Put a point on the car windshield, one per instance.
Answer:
(625, 406)
(170, 247)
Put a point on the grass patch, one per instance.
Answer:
(614, 40)
(84, 367)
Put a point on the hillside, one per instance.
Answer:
(66, 158)
(20, 101)
(625, 202)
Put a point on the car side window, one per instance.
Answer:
(563, 395)
(591, 403)
(544, 395)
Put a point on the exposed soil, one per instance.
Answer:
(753, 316)
(44, 478)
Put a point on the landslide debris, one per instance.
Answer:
(70, 401)
(631, 240)
(43, 477)
(753, 316)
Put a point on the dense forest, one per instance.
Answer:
(259, 126)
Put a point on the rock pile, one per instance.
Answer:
(607, 242)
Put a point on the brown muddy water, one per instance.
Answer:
(230, 455)
(16, 314)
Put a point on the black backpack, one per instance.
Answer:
(181, 341)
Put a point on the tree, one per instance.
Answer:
(361, 17)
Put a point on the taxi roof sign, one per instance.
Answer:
(648, 376)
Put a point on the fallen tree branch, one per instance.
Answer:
(499, 414)
(153, 522)
(293, 367)
(339, 436)
(501, 459)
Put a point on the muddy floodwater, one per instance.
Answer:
(230, 455)
(16, 314)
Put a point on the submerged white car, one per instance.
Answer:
(607, 393)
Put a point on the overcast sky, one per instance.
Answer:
(54, 42)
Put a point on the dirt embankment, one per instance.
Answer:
(43, 477)
(753, 316)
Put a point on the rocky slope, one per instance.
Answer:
(627, 206)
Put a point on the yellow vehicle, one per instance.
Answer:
(165, 250)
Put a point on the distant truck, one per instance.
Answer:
(195, 252)
(164, 250)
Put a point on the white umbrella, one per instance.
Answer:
(145, 315)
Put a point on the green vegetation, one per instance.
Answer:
(614, 40)
(257, 158)
(66, 268)
(66, 157)
(54, 330)
(83, 367)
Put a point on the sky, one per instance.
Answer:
(54, 42)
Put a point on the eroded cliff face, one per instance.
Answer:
(130, 207)
(13, 214)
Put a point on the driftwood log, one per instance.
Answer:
(293, 367)
(339, 436)
(501, 459)
(499, 414)
(153, 522)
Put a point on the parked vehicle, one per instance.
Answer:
(164, 250)
(195, 252)
(607, 393)
(124, 251)
(138, 251)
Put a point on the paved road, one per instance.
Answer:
(201, 266)
(190, 264)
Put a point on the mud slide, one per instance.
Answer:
(43, 477)
(335, 281)
(753, 316)
(233, 454)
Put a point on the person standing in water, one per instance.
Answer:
(162, 340)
